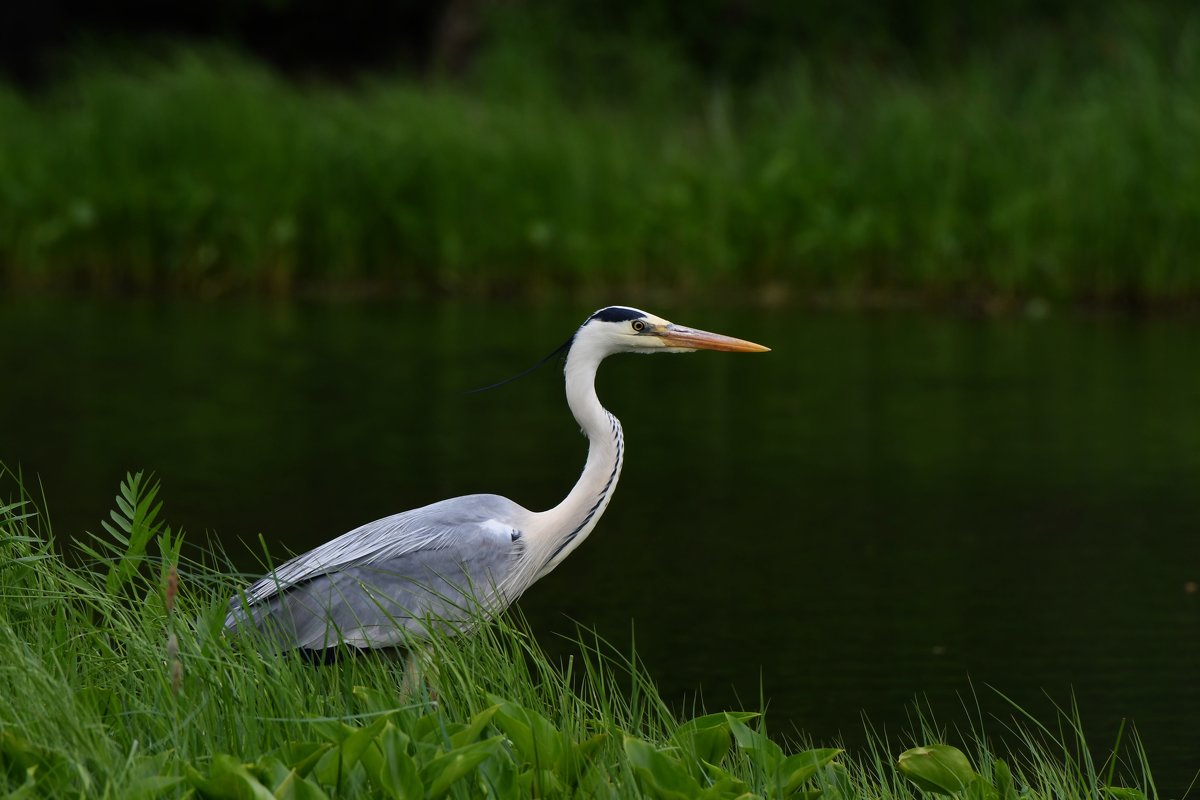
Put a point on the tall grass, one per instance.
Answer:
(116, 681)
(1035, 169)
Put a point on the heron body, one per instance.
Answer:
(453, 562)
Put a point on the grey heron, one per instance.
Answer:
(384, 583)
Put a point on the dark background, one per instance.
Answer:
(736, 39)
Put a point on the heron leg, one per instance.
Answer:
(411, 682)
(420, 673)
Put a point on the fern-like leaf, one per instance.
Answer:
(136, 518)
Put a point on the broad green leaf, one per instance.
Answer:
(42, 763)
(448, 730)
(474, 729)
(499, 777)
(29, 789)
(534, 737)
(518, 732)
(444, 770)
(595, 783)
(377, 699)
(836, 782)
(662, 775)
(538, 783)
(796, 769)
(229, 779)
(354, 744)
(270, 771)
(398, 775)
(430, 734)
(762, 749)
(296, 787)
(332, 730)
(726, 786)
(713, 772)
(338, 763)
(590, 745)
(708, 738)
(1004, 782)
(302, 756)
(1123, 793)
(424, 752)
(980, 789)
(577, 755)
(151, 786)
(937, 768)
(547, 740)
(720, 719)
(372, 760)
(23, 752)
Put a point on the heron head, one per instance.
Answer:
(631, 330)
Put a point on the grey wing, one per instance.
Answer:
(387, 581)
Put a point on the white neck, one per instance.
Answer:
(564, 527)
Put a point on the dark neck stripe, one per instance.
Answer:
(570, 537)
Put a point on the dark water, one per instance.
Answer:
(887, 506)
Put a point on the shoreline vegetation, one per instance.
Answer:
(1052, 165)
(118, 682)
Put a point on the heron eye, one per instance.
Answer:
(638, 325)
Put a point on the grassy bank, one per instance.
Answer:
(1040, 168)
(117, 682)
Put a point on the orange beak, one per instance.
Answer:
(691, 339)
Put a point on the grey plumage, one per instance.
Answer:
(388, 580)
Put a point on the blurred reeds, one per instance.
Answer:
(1036, 169)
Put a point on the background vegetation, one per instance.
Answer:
(1025, 151)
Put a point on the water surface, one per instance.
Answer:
(888, 506)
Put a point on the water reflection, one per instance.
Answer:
(886, 505)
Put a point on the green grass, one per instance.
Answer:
(1037, 169)
(116, 681)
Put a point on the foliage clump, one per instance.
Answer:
(1064, 170)
(117, 681)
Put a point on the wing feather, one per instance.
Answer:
(384, 580)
